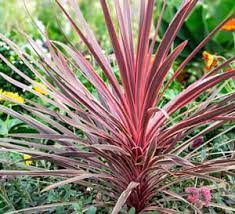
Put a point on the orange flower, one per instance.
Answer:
(229, 25)
(210, 60)
(152, 59)
(229, 69)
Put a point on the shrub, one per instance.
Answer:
(14, 59)
(202, 20)
(120, 141)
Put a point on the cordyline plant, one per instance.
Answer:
(128, 148)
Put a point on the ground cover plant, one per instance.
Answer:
(124, 139)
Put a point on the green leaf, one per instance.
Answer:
(91, 210)
(132, 211)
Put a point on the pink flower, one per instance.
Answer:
(199, 196)
(193, 194)
(206, 195)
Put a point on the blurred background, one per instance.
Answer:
(45, 15)
(206, 16)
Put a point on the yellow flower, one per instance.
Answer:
(26, 157)
(210, 60)
(40, 88)
(13, 96)
(229, 25)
